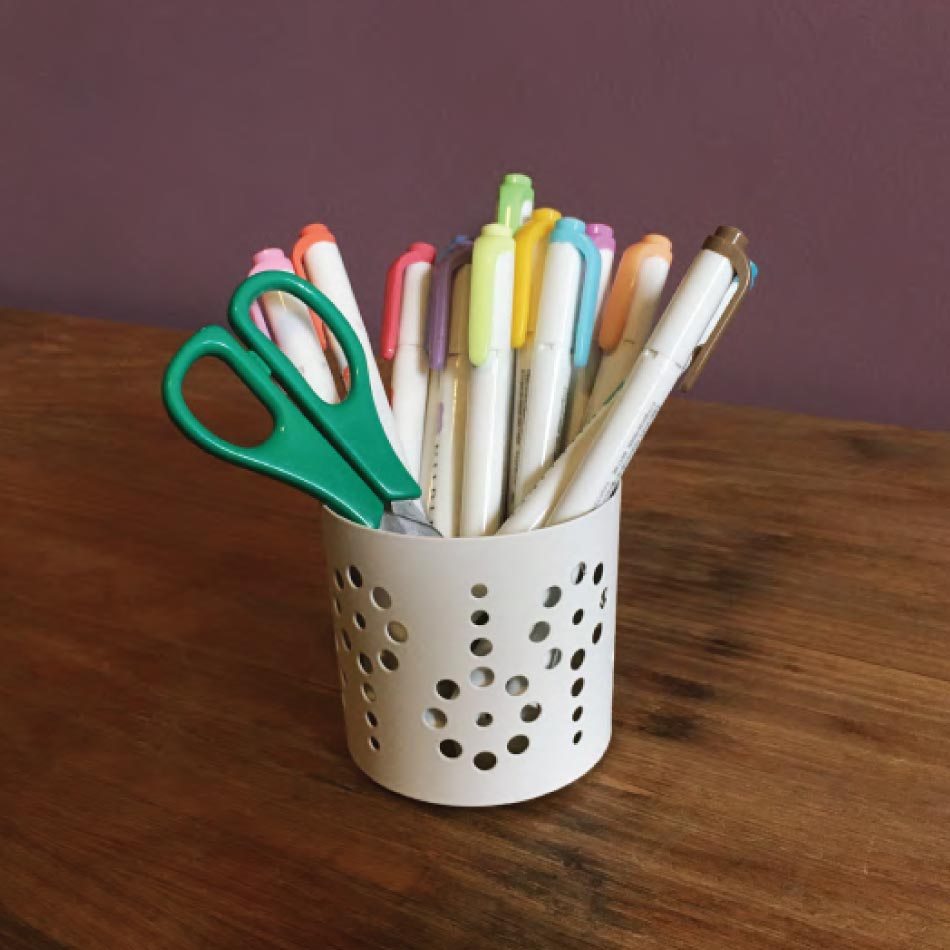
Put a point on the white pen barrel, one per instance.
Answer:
(410, 380)
(536, 508)
(628, 419)
(486, 445)
(666, 356)
(692, 307)
(430, 442)
(293, 332)
(544, 416)
(324, 266)
(519, 406)
(449, 460)
(550, 367)
(616, 364)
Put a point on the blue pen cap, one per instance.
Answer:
(572, 231)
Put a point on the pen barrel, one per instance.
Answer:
(544, 414)
(293, 332)
(486, 445)
(325, 269)
(628, 418)
(480, 671)
(691, 308)
(557, 305)
(323, 264)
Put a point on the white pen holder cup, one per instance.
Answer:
(476, 671)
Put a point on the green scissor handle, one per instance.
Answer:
(352, 426)
(295, 452)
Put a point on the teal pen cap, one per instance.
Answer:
(572, 231)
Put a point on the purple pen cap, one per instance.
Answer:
(456, 254)
(603, 236)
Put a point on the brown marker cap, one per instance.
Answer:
(731, 243)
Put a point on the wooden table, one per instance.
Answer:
(173, 771)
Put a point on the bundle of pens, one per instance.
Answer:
(523, 377)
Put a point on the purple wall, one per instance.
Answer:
(148, 150)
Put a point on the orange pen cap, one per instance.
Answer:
(618, 301)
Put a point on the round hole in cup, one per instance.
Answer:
(380, 598)
(347, 642)
(434, 718)
(551, 596)
(530, 712)
(577, 575)
(481, 676)
(578, 617)
(598, 573)
(366, 664)
(576, 715)
(603, 598)
(371, 719)
(356, 579)
(516, 685)
(388, 660)
(480, 618)
(577, 660)
(337, 607)
(554, 657)
(479, 590)
(485, 761)
(596, 635)
(539, 631)
(481, 647)
(517, 744)
(369, 694)
(484, 719)
(338, 579)
(374, 743)
(450, 748)
(359, 620)
(396, 631)
(447, 689)
(578, 686)
(577, 737)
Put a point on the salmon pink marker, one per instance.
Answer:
(403, 342)
(317, 258)
(292, 329)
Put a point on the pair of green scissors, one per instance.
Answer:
(338, 452)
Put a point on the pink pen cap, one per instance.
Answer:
(603, 236)
(392, 297)
(270, 258)
(455, 256)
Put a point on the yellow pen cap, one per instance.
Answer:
(530, 242)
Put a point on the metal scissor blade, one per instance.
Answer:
(408, 517)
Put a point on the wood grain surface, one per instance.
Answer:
(173, 772)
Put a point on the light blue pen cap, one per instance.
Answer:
(572, 231)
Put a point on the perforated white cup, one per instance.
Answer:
(476, 671)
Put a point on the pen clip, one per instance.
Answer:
(494, 241)
(731, 244)
(537, 229)
(447, 265)
(617, 305)
(571, 231)
(309, 235)
(418, 253)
